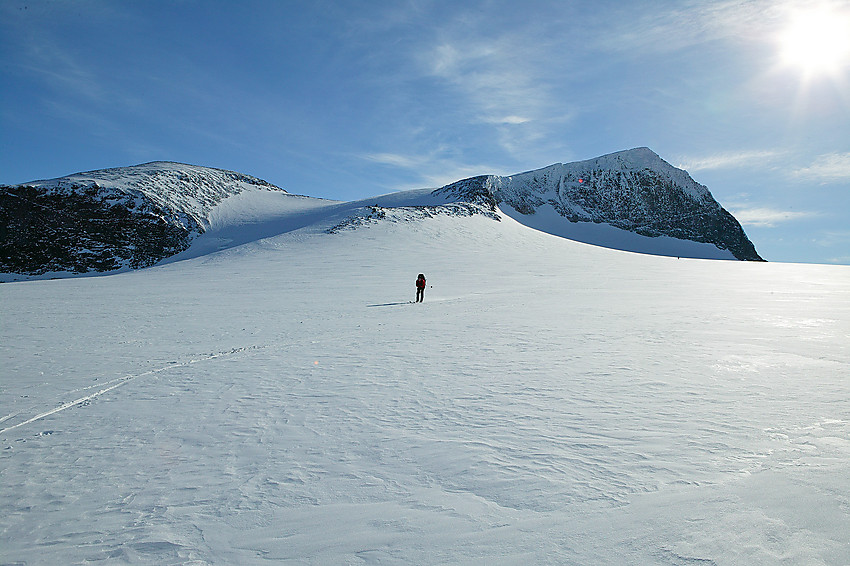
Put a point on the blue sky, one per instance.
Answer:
(347, 100)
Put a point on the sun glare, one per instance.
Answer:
(817, 41)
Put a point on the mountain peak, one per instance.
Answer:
(635, 156)
(633, 190)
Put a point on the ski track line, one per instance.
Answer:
(121, 381)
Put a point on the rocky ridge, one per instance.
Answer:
(106, 220)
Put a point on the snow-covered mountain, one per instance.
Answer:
(634, 191)
(132, 217)
(126, 217)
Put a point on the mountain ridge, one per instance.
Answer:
(193, 189)
(133, 217)
(112, 219)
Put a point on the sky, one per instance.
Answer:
(347, 100)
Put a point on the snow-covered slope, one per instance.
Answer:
(550, 402)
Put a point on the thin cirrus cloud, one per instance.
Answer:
(698, 22)
(507, 120)
(828, 167)
(766, 217)
(59, 71)
(396, 160)
(727, 160)
(433, 169)
(503, 85)
(493, 77)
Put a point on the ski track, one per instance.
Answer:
(118, 382)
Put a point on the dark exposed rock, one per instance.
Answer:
(84, 230)
(129, 217)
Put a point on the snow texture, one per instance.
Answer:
(550, 402)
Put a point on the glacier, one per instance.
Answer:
(275, 398)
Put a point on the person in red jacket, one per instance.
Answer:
(420, 288)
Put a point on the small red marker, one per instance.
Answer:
(581, 180)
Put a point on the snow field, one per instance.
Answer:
(550, 402)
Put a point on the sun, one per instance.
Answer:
(817, 41)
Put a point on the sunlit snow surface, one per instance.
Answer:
(549, 403)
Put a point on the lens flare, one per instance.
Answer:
(817, 41)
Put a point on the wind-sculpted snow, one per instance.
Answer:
(374, 214)
(550, 402)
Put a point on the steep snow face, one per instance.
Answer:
(121, 218)
(634, 192)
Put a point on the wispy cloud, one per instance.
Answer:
(397, 160)
(498, 77)
(727, 160)
(766, 217)
(838, 240)
(507, 120)
(828, 167)
(435, 169)
(833, 237)
(62, 72)
(491, 74)
(691, 23)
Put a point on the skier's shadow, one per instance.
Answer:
(389, 304)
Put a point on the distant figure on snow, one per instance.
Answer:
(420, 288)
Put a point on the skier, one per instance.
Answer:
(420, 288)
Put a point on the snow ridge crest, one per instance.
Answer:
(179, 189)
